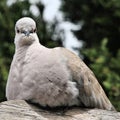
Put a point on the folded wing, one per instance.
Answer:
(91, 93)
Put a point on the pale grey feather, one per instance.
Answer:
(50, 77)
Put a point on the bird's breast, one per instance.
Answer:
(47, 80)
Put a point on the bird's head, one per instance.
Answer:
(25, 30)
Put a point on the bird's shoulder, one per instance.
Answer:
(76, 65)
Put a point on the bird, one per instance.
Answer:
(51, 77)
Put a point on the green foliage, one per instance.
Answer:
(100, 19)
(107, 70)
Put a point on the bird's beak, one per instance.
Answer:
(27, 33)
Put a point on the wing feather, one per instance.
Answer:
(91, 93)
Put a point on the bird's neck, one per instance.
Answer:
(20, 52)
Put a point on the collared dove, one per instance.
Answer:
(50, 77)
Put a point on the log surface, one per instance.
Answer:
(21, 110)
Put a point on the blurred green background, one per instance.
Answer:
(100, 32)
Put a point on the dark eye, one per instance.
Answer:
(34, 30)
(18, 31)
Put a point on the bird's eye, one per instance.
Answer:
(18, 31)
(34, 30)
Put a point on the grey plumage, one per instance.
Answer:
(50, 77)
